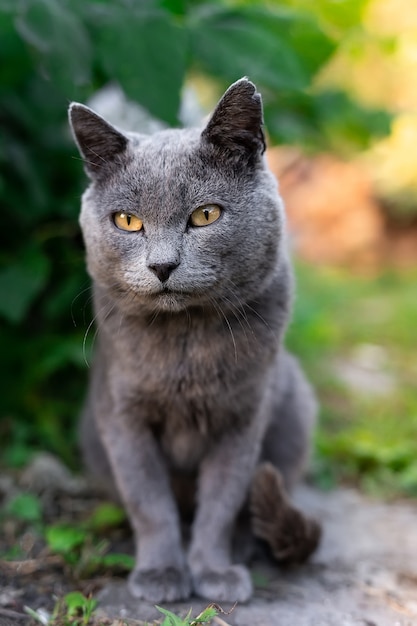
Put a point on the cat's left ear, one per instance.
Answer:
(236, 124)
(100, 144)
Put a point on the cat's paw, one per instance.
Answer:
(154, 585)
(232, 584)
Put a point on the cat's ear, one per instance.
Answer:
(99, 143)
(236, 124)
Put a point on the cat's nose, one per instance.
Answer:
(163, 270)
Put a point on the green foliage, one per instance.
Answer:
(205, 617)
(283, 50)
(55, 51)
(105, 516)
(79, 608)
(73, 609)
(64, 539)
(25, 507)
(367, 437)
(340, 16)
(82, 546)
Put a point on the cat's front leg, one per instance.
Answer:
(161, 573)
(225, 475)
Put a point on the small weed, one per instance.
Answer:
(83, 550)
(105, 516)
(205, 617)
(25, 507)
(65, 539)
(79, 609)
(74, 609)
(80, 545)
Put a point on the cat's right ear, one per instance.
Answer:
(100, 144)
(235, 127)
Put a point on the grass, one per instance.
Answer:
(363, 327)
(75, 609)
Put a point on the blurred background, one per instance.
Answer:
(339, 84)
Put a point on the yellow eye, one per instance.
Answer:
(127, 221)
(205, 215)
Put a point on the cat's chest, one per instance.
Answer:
(183, 376)
(183, 360)
(190, 383)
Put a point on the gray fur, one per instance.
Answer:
(189, 378)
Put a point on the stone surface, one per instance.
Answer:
(364, 573)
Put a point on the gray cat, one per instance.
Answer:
(191, 391)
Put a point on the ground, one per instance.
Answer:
(364, 573)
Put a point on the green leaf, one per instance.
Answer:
(205, 616)
(15, 62)
(341, 15)
(74, 600)
(349, 124)
(21, 283)
(60, 41)
(171, 619)
(77, 602)
(26, 507)
(112, 560)
(176, 7)
(291, 118)
(106, 515)
(63, 539)
(56, 352)
(281, 50)
(146, 52)
(312, 46)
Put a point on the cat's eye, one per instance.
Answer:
(205, 215)
(127, 221)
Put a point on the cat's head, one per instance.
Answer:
(181, 218)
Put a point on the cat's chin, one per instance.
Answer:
(170, 301)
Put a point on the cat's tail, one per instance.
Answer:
(291, 536)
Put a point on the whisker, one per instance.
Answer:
(238, 316)
(109, 308)
(218, 308)
(248, 306)
(87, 161)
(74, 301)
(263, 320)
(85, 340)
(99, 156)
(155, 314)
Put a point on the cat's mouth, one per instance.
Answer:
(168, 299)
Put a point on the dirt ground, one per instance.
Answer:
(364, 573)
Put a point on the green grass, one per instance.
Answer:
(365, 437)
